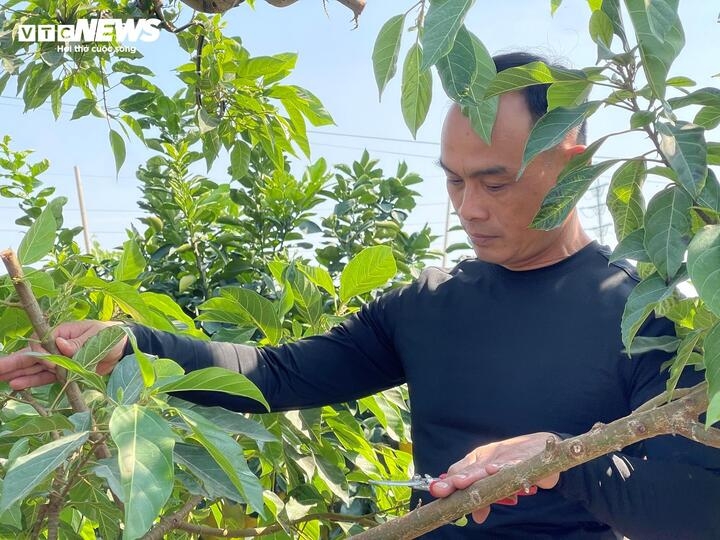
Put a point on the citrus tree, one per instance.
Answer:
(83, 457)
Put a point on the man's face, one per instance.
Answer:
(494, 209)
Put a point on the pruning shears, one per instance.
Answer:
(421, 482)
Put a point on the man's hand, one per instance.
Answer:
(24, 371)
(489, 459)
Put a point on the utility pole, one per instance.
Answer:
(83, 214)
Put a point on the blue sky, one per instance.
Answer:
(335, 64)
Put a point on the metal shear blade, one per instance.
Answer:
(421, 482)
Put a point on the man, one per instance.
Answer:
(499, 354)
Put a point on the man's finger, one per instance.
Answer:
(480, 515)
(28, 381)
(16, 361)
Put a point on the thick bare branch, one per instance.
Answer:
(676, 417)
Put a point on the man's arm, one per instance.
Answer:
(352, 360)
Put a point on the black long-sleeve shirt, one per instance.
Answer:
(490, 354)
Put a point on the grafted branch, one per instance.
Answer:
(677, 417)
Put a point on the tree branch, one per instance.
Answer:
(172, 521)
(44, 333)
(676, 417)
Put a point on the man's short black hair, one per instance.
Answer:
(535, 95)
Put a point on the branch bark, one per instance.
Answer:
(44, 333)
(677, 417)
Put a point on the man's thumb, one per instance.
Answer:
(67, 347)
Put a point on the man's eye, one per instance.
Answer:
(454, 181)
(496, 188)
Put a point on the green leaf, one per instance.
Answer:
(250, 307)
(643, 344)
(657, 54)
(641, 119)
(708, 117)
(566, 193)
(31, 469)
(368, 270)
(683, 145)
(625, 199)
(530, 74)
(40, 238)
(457, 69)
(137, 102)
(41, 282)
(386, 51)
(442, 23)
(601, 28)
(712, 373)
(568, 94)
(552, 129)
(680, 82)
(122, 66)
(118, 147)
(710, 195)
(641, 302)
(232, 422)
(667, 230)
(306, 296)
(83, 108)
(171, 311)
(319, 276)
(146, 367)
(239, 160)
(416, 90)
(125, 384)
(684, 353)
(704, 265)
(708, 96)
(215, 379)
(631, 247)
(145, 454)
(98, 347)
(554, 5)
(25, 425)
(201, 464)
(131, 262)
(229, 455)
(89, 377)
(661, 16)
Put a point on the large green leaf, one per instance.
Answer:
(684, 353)
(667, 229)
(480, 111)
(457, 69)
(170, 310)
(26, 425)
(625, 198)
(146, 367)
(118, 147)
(88, 377)
(631, 247)
(657, 54)
(708, 117)
(228, 454)
(710, 195)
(251, 307)
(145, 454)
(215, 379)
(201, 464)
(368, 270)
(518, 77)
(306, 296)
(568, 93)
(386, 51)
(442, 23)
(642, 301)
(31, 469)
(553, 127)
(98, 346)
(661, 16)
(131, 262)
(40, 238)
(564, 195)
(416, 90)
(704, 265)
(712, 373)
(708, 96)
(683, 145)
(125, 384)
(232, 422)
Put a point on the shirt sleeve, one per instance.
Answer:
(354, 359)
(667, 487)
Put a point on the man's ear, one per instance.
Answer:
(574, 150)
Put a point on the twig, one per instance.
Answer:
(255, 532)
(665, 398)
(172, 521)
(28, 398)
(44, 333)
(677, 417)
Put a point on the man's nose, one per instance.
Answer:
(473, 203)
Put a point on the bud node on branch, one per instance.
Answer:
(577, 449)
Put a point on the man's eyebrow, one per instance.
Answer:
(487, 171)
